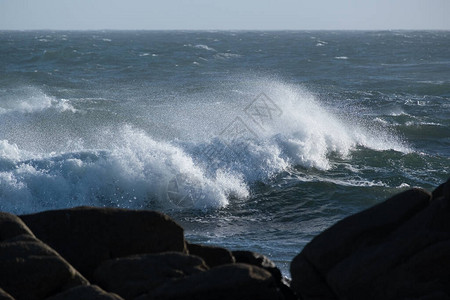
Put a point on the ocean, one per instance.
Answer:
(249, 139)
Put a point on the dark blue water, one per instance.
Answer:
(251, 140)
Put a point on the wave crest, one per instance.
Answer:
(264, 128)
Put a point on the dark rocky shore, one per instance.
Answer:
(398, 249)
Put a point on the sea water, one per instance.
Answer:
(249, 139)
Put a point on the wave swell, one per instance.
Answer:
(266, 128)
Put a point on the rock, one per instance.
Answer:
(4, 295)
(136, 275)
(32, 270)
(307, 281)
(259, 260)
(227, 282)
(264, 262)
(87, 236)
(397, 249)
(213, 256)
(442, 191)
(85, 292)
(11, 226)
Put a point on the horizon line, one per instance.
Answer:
(116, 29)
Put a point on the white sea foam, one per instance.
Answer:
(9, 151)
(397, 112)
(199, 163)
(403, 185)
(419, 123)
(204, 47)
(226, 55)
(347, 182)
(380, 120)
(320, 43)
(135, 170)
(31, 100)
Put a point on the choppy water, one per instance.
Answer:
(251, 140)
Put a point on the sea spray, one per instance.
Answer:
(127, 167)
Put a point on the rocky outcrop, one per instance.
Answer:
(262, 261)
(129, 254)
(85, 292)
(227, 282)
(213, 256)
(133, 276)
(87, 236)
(12, 226)
(398, 249)
(256, 259)
(29, 269)
(179, 276)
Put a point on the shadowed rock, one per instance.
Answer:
(442, 191)
(136, 275)
(86, 292)
(264, 262)
(11, 226)
(32, 270)
(87, 236)
(397, 249)
(213, 256)
(227, 282)
(256, 259)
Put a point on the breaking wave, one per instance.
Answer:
(264, 128)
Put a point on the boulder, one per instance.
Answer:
(262, 261)
(256, 259)
(87, 236)
(399, 248)
(85, 292)
(11, 226)
(32, 270)
(442, 191)
(226, 282)
(136, 275)
(212, 255)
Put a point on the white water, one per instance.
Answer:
(31, 100)
(200, 162)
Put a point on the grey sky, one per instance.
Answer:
(225, 14)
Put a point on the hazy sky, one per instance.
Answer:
(225, 14)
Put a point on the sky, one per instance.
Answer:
(224, 14)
